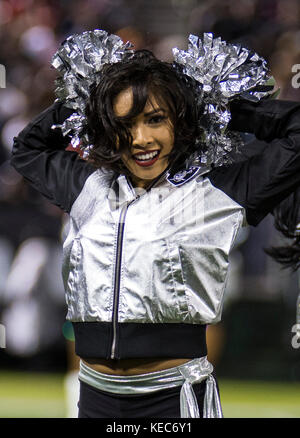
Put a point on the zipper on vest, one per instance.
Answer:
(117, 276)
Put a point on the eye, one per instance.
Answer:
(156, 119)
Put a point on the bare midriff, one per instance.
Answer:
(130, 367)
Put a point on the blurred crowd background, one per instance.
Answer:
(254, 339)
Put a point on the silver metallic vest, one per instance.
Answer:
(157, 256)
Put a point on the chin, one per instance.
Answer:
(145, 175)
(148, 177)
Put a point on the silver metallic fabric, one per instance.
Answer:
(223, 72)
(192, 372)
(79, 62)
(174, 262)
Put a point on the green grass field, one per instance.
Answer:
(24, 395)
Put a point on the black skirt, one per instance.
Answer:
(94, 403)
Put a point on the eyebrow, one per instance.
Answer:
(156, 110)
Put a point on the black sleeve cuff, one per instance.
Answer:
(267, 119)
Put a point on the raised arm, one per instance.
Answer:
(265, 179)
(39, 155)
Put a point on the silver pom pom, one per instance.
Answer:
(224, 72)
(79, 61)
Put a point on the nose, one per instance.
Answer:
(141, 135)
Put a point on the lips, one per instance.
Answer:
(146, 158)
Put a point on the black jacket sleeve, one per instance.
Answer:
(39, 155)
(265, 179)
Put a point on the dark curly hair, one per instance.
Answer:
(147, 76)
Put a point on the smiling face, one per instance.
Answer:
(152, 138)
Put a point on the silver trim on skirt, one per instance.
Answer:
(194, 371)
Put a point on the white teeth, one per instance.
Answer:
(146, 156)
